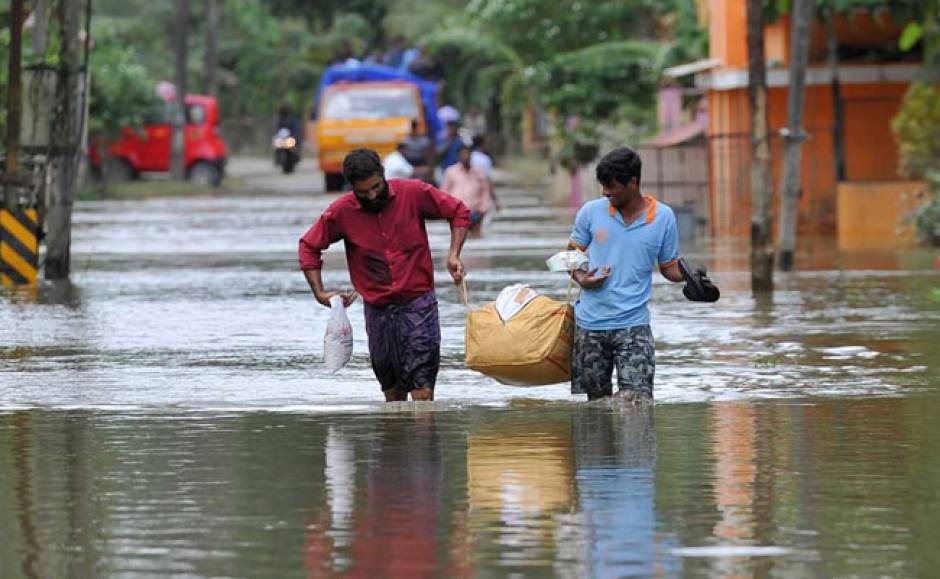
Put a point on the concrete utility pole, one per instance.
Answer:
(212, 61)
(801, 15)
(762, 251)
(14, 101)
(40, 26)
(838, 114)
(177, 151)
(66, 141)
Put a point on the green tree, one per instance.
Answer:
(917, 124)
(599, 61)
(266, 56)
(540, 29)
(323, 16)
(403, 20)
(604, 81)
(122, 92)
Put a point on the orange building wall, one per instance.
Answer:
(727, 25)
(873, 215)
(727, 34)
(871, 150)
(860, 29)
(871, 153)
(727, 18)
(777, 41)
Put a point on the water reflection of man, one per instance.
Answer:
(624, 234)
(395, 526)
(615, 454)
(398, 528)
(389, 261)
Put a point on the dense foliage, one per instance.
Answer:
(927, 216)
(917, 124)
(122, 91)
(263, 60)
(917, 127)
(597, 60)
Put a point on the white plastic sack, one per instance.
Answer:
(338, 341)
(512, 299)
(567, 261)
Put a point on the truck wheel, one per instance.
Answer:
(334, 181)
(202, 173)
(118, 170)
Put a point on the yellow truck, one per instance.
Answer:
(371, 107)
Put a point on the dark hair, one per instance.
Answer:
(619, 165)
(361, 164)
(478, 141)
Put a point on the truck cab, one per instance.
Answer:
(376, 115)
(368, 106)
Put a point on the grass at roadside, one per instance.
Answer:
(149, 189)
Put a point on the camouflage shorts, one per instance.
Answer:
(596, 352)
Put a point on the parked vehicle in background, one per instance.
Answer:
(369, 106)
(147, 149)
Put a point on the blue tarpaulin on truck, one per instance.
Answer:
(373, 72)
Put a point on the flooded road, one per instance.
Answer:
(167, 413)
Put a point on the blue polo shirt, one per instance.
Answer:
(633, 251)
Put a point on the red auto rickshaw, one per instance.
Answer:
(147, 149)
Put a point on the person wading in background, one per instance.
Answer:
(470, 185)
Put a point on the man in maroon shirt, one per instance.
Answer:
(382, 225)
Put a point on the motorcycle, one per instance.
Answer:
(286, 150)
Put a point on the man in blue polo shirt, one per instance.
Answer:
(626, 235)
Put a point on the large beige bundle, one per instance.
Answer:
(533, 348)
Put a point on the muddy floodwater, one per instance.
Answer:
(167, 414)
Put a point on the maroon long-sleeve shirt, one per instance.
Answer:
(387, 252)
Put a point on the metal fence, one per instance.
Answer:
(678, 176)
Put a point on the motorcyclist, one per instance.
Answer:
(288, 139)
(287, 120)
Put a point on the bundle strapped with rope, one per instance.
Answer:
(529, 346)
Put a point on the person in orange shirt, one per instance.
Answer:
(470, 185)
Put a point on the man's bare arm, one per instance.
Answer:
(323, 296)
(671, 272)
(458, 235)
